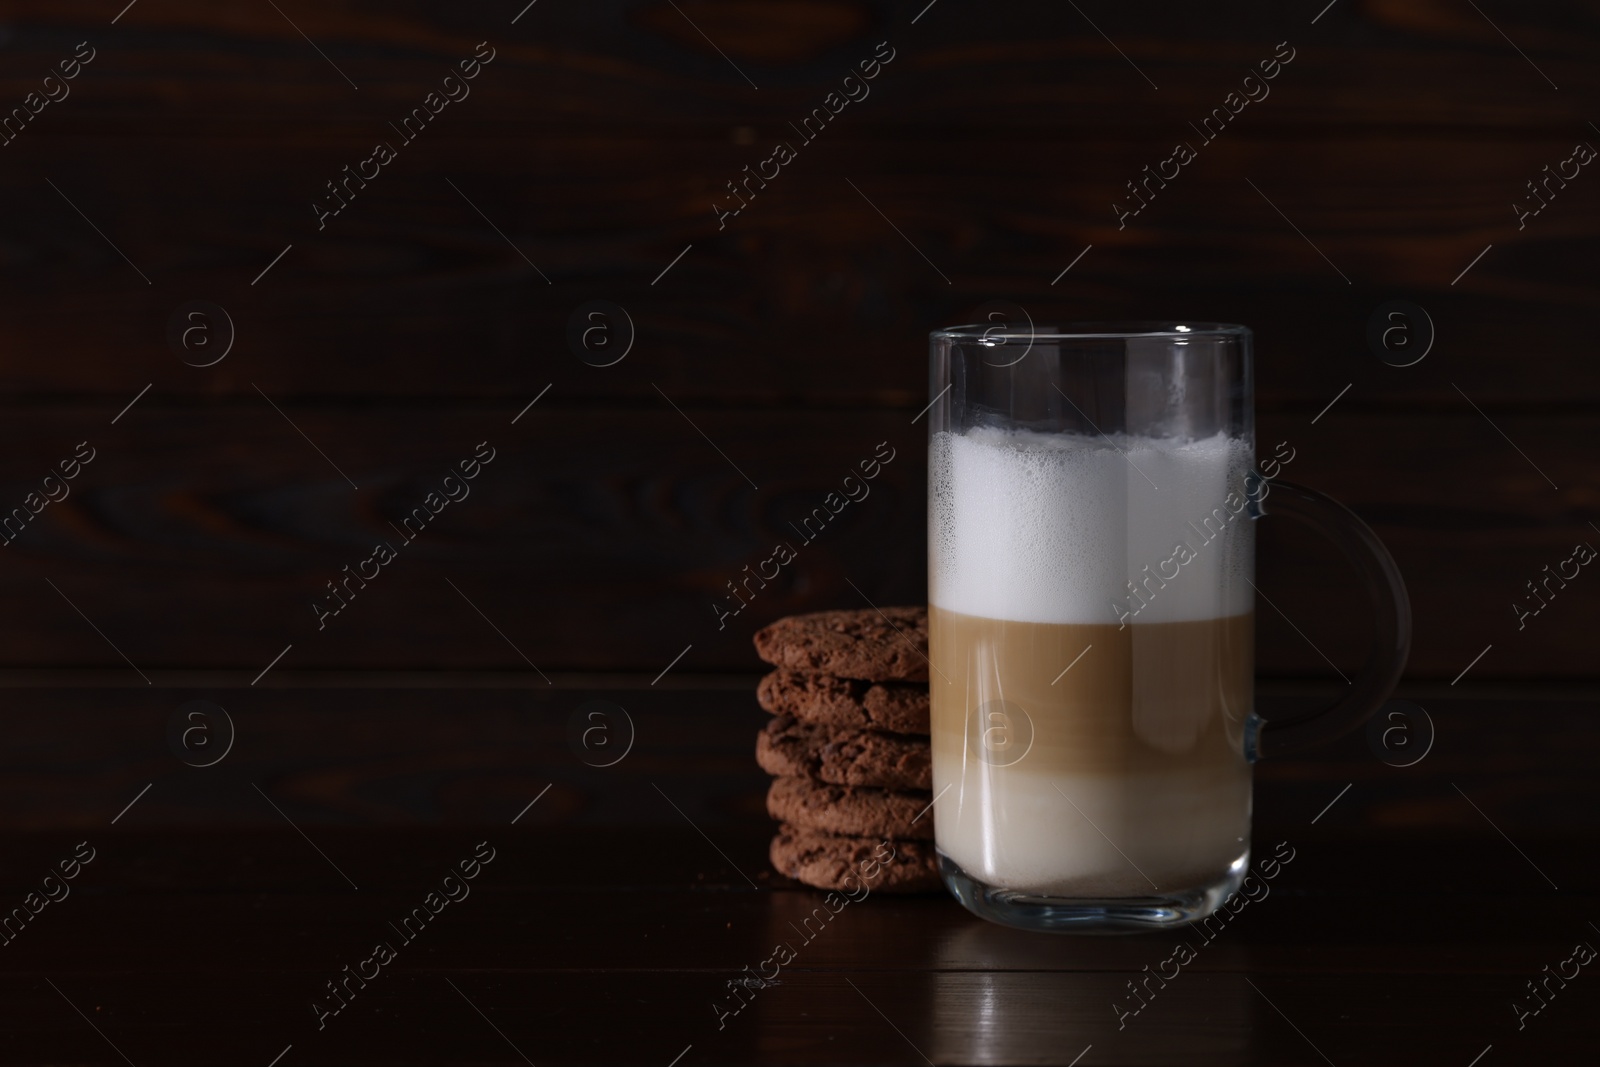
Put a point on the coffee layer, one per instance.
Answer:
(1091, 758)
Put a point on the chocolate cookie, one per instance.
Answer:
(849, 863)
(842, 703)
(791, 748)
(839, 809)
(887, 646)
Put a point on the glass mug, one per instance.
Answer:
(1092, 493)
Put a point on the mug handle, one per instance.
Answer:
(1391, 642)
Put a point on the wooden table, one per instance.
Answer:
(618, 909)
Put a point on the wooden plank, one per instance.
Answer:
(403, 757)
(597, 141)
(807, 295)
(1361, 970)
(607, 60)
(413, 1017)
(203, 538)
(702, 930)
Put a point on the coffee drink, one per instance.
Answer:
(1091, 644)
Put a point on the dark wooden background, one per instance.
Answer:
(996, 140)
(427, 316)
(417, 323)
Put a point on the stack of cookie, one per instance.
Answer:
(848, 748)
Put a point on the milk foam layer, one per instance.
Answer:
(1052, 528)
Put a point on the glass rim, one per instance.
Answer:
(1084, 331)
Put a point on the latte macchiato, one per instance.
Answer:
(1091, 643)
